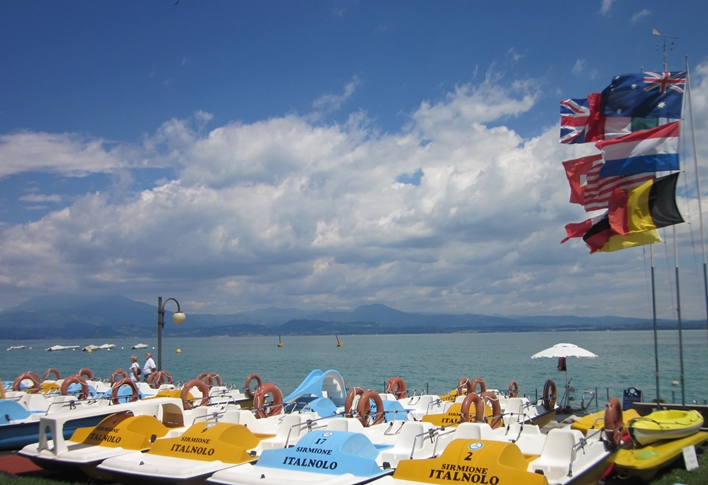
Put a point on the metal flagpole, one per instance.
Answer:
(698, 188)
(678, 313)
(656, 345)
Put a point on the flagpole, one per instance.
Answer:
(678, 314)
(698, 188)
(656, 345)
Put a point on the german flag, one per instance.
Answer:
(650, 206)
(601, 237)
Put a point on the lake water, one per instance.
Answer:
(434, 362)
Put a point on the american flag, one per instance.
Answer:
(591, 190)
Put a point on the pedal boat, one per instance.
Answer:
(205, 448)
(321, 456)
(134, 426)
(664, 425)
(644, 462)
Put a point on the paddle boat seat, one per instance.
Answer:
(557, 454)
(412, 442)
(291, 429)
(473, 431)
(345, 424)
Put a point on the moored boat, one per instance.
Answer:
(139, 346)
(646, 461)
(16, 347)
(664, 425)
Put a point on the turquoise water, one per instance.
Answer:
(432, 362)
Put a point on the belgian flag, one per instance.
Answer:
(650, 206)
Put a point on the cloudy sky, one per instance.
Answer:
(326, 154)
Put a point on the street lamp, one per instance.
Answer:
(178, 317)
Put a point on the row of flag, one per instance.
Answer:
(635, 125)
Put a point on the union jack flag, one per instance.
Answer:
(575, 116)
(665, 80)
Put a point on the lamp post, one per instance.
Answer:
(178, 317)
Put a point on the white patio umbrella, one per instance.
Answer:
(563, 351)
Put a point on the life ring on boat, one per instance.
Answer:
(27, 376)
(613, 422)
(212, 379)
(52, 370)
(85, 372)
(202, 375)
(464, 384)
(549, 395)
(2, 391)
(124, 382)
(250, 378)
(397, 387)
(203, 388)
(478, 408)
(119, 372)
(513, 389)
(156, 379)
(76, 379)
(492, 400)
(271, 408)
(482, 385)
(363, 409)
(349, 401)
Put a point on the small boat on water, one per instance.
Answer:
(667, 424)
(106, 346)
(339, 344)
(16, 347)
(91, 348)
(280, 344)
(139, 346)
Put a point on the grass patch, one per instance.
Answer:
(678, 474)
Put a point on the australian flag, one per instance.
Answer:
(645, 95)
(575, 117)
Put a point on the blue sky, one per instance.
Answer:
(239, 155)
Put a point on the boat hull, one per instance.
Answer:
(16, 436)
(664, 425)
(645, 462)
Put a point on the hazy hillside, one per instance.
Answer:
(71, 316)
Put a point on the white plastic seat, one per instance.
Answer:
(557, 454)
(474, 431)
(409, 442)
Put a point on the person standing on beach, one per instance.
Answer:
(134, 369)
(149, 366)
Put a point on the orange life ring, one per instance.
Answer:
(50, 371)
(203, 388)
(271, 408)
(613, 422)
(156, 379)
(478, 408)
(482, 385)
(250, 378)
(202, 375)
(124, 382)
(513, 389)
(76, 379)
(397, 387)
(549, 395)
(464, 384)
(363, 409)
(349, 401)
(24, 376)
(85, 372)
(493, 400)
(119, 372)
(212, 379)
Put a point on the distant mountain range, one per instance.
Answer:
(69, 316)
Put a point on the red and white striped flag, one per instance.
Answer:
(592, 191)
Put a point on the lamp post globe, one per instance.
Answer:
(178, 317)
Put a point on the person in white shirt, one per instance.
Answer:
(134, 368)
(149, 366)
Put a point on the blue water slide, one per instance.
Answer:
(321, 384)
